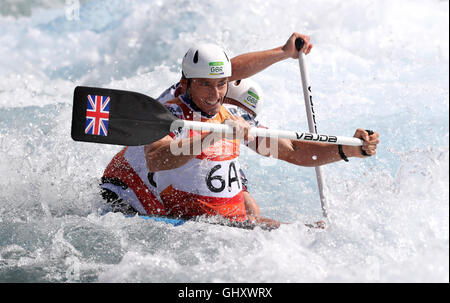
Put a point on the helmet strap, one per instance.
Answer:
(223, 99)
(188, 89)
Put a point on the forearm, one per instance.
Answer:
(317, 154)
(298, 153)
(246, 65)
(314, 154)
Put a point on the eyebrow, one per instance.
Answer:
(223, 82)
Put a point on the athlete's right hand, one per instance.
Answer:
(241, 129)
(290, 49)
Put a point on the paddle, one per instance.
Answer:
(111, 116)
(128, 118)
(311, 118)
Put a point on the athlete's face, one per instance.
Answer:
(208, 94)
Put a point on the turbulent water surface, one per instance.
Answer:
(380, 65)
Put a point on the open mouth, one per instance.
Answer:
(212, 103)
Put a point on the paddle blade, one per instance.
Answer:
(119, 117)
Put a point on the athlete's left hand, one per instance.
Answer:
(369, 146)
(289, 47)
(241, 129)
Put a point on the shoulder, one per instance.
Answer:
(169, 93)
(174, 106)
(179, 110)
(232, 109)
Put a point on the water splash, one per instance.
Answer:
(390, 212)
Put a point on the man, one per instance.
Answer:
(207, 95)
(127, 184)
(244, 98)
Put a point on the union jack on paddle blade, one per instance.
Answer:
(97, 115)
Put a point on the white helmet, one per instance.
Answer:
(248, 93)
(206, 61)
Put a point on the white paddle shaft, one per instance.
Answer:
(268, 133)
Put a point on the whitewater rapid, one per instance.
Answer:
(381, 65)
